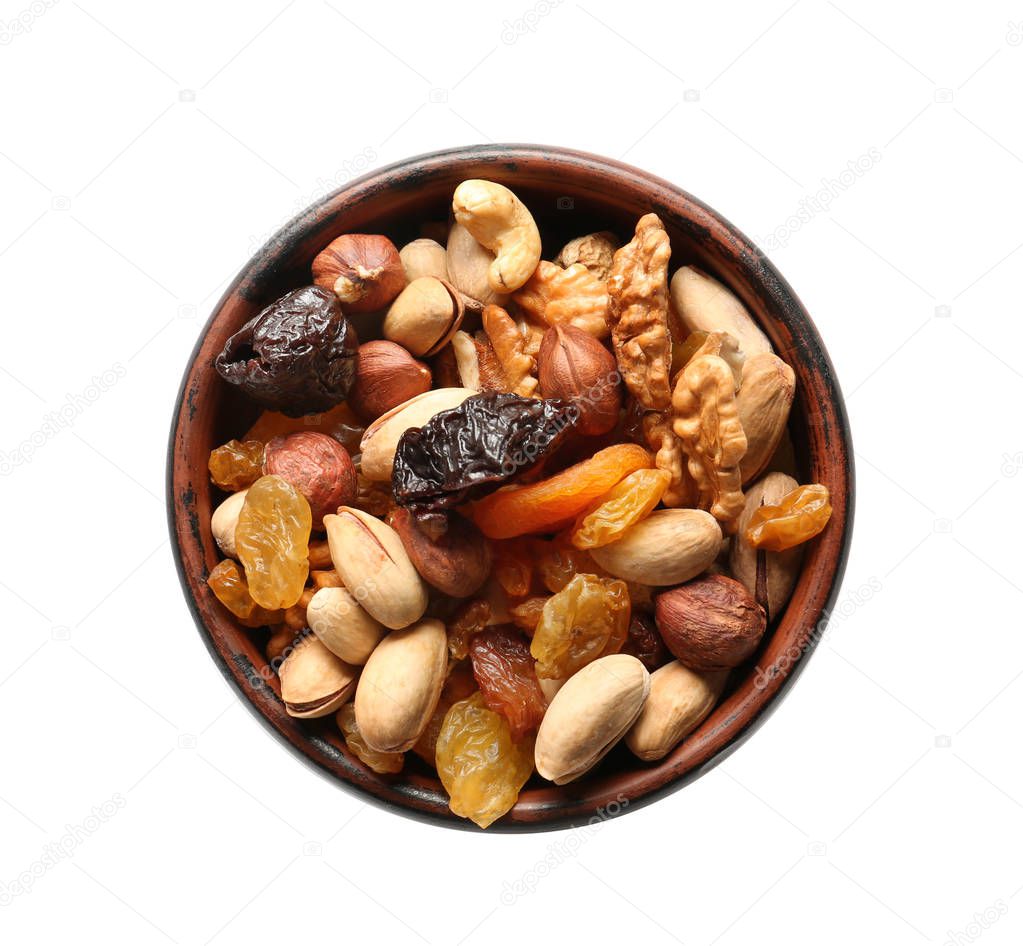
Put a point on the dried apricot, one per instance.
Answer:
(480, 766)
(237, 464)
(587, 619)
(551, 503)
(798, 516)
(622, 506)
(383, 763)
(506, 676)
(227, 582)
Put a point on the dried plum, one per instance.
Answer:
(465, 452)
(297, 356)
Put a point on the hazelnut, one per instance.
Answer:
(317, 466)
(425, 316)
(456, 562)
(386, 375)
(710, 623)
(363, 269)
(573, 365)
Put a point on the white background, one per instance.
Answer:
(144, 152)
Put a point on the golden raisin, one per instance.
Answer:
(480, 766)
(798, 516)
(506, 676)
(554, 502)
(526, 614)
(513, 567)
(627, 502)
(227, 582)
(588, 619)
(237, 464)
(384, 763)
(272, 539)
(470, 618)
(558, 562)
(460, 683)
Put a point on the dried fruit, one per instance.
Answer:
(644, 642)
(473, 448)
(587, 619)
(297, 356)
(558, 562)
(386, 376)
(383, 763)
(556, 501)
(572, 296)
(574, 366)
(622, 506)
(711, 623)
(456, 562)
(798, 517)
(513, 566)
(317, 466)
(526, 614)
(363, 269)
(480, 766)
(470, 618)
(505, 674)
(228, 583)
(272, 539)
(237, 464)
(339, 422)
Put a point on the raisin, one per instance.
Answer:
(480, 766)
(587, 619)
(373, 497)
(558, 562)
(632, 499)
(237, 464)
(339, 422)
(645, 644)
(383, 763)
(526, 614)
(506, 676)
(471, 449)
(297, 356)
(469, 619)
(556, 501)
(459, 684)
(272, 539)
(513, 567)
(798, 516)
(227, 582)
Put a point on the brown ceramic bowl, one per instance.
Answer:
(569, 193)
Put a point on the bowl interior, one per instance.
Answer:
(569, 194)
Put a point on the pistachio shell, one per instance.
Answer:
(764, 400)
(343, 625)
(425, 316)
(315, 682)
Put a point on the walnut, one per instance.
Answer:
(574, 295)
(660, 437)
(595, 251)
(508, 345)
(638, 313)
(490, 372)
(707, 423)
(724, 346)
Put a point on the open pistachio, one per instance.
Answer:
(343, 625)
(315, 682)
(425, 316)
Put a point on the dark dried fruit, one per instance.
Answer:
(644, 643)
(506, 676)
(472, 449)
(297, 356)
(469, 619)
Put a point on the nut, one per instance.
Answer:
(508, 345)
(556, 296)
(343, 625)
(424, 257)
(386, 375)
(425, 316)
(225, 520)
(469, 267)
(363, 269)
(660, 436)
(498, 220)
(380, 440)
(711, 623)
(768, 576)
(702, 304)
(765, 398)
(668, 547)
(595, 251)
(588, 715)
(317, 466)
(400, 686)
(314, 682)
(457, 562)
(369, 557)
(679, 700)
(573, 365)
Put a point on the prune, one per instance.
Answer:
(645, 644)
(272, 539)
(798, 517)
(465, 452)
(506, 676)
(480, 766)
(384, 763)
(587, 619)
(624, 505)
(227, 582)
(297, 356)
(237, 464)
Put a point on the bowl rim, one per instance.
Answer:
(753, 265)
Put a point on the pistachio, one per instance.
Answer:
(381, 437)
(424, 257)
(668, 547)
(225, 520)
(369, 557)
(400, 686)
(765, 397)
(703, 304)
(768, 576)
(314, 682)
(588, 715)
(425, 316)
(680, 699)
(343, 625)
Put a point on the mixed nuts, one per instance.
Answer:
(546, 512)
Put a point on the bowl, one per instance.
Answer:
(569, 193)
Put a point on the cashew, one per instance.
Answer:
(500, 222)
